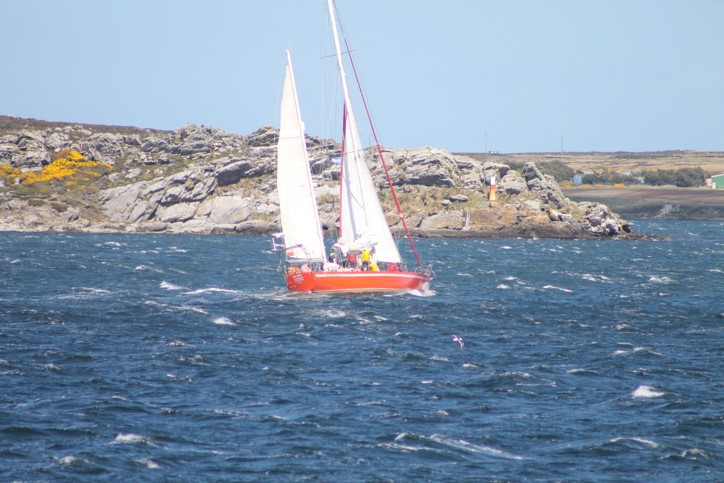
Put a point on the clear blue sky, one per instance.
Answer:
(606, 75)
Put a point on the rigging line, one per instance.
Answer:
(382, 158)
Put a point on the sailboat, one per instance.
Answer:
(365, 258)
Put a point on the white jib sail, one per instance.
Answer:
(298, 206)
(363, 221)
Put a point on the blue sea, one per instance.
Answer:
(183, 358)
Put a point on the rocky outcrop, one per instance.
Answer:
(201, 179)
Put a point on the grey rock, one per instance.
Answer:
(264, 136)
(512, 184)
(459, 198)
(599, 220)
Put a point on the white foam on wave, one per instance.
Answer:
(619, 352)
(94, 290)
(67, 460)
(646, 392)
(595, 278)
(114, 244)
(502, 286)
(330, 314)
(143, 268)
(130, 438)
(655, 279)
(644, 441)
(647, 351)
(579, 370)
(170, 286)
(223, 321)
(148, 463)
(553, 287)
(461, 444)
(212, 290)
(694, 453)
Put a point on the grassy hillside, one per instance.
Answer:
(711, 161)
(653, 202)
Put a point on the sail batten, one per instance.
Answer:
(297, 203)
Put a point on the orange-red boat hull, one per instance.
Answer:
(356, 281)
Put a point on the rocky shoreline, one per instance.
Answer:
(204, 180)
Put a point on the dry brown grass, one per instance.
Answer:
(711, 161)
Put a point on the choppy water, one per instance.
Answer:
(160, 357)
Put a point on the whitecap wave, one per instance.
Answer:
(644, 441)
(330, 314)
(130, 438)
(202, 291)
(553, 287)
(646, 392)
(148, 463)
(473, 448)
(426, 292)
(647, 351)
(67, 460)
(170, 286)
(413, 442)
(694, 453)
(223, 321)
(143, 268)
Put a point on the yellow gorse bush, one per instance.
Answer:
(66, 164)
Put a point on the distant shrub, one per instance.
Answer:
(683, 177)
(66, 164)
(558, 169)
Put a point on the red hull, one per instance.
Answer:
(356, 282)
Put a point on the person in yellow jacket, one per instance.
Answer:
(365, 259)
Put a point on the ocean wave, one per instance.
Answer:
(223, 321)
(553, 287)
(148, 463)
(143, 268)
(662, 279)
(170, 286)
(438, 443)
(647, 351)
(643, 441)
(131, 438)
(595, 278)
(646, 392)
(330, 314)
(202, 291)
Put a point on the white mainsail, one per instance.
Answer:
(297, 204)
(362, 220)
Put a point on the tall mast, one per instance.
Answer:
(350, 114)
(333, 21)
